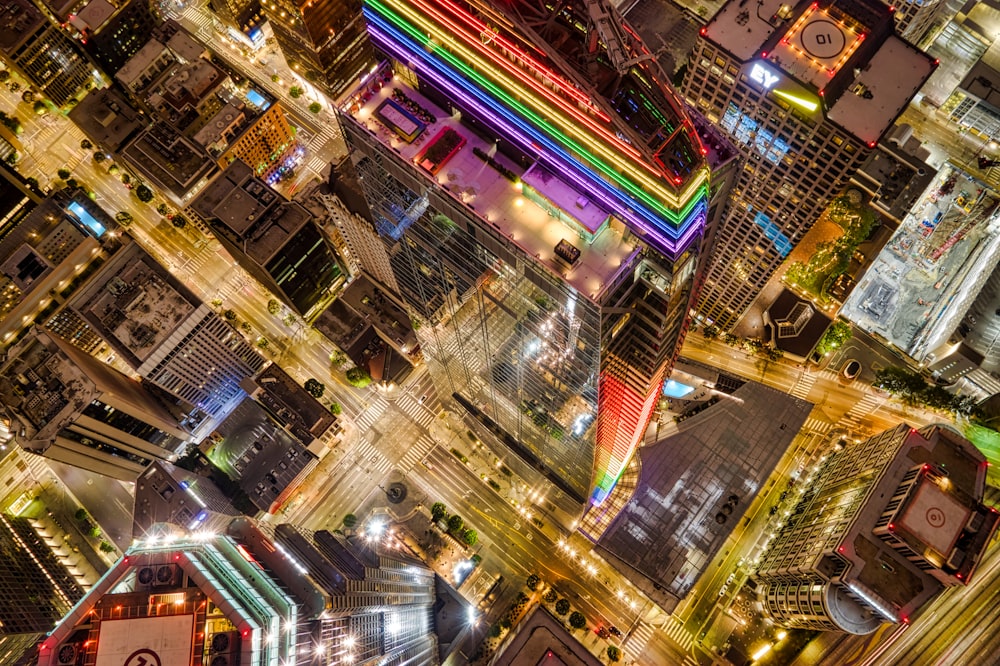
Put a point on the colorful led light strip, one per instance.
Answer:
(457, 82)
(481, 58)
(536, 116)
(408, 42)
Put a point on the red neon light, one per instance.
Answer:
(892, 526)
(481, 27)
(703, 31)
(245, 553)
(477, 45)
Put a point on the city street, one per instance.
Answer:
(396, 433)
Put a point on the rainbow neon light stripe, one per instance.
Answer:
(545, 114)
(491, 72)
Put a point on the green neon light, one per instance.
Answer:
(674, 217)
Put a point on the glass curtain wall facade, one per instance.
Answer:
(553, 331)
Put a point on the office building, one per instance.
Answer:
(113, 33)
(716, 444)
(175, 164)
(965, 37)
(805, 92)
(159, 328)
(46, 253)
(42, 53)
(68, 406)
(542, 196)
(242, 16)
(275, 240)
(108, 119)
(323, 41)
(35, 588)
(880, 529)
(975, 103)
(240, 596)
(266, 143)
(914, 18)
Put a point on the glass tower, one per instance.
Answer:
(540, 194)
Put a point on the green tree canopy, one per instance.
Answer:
(838, 333)
(471, 537)
(533, 582)
(614, 653)
(438, 511)
(315, 388)
(455, 523)
(359, 377)
(577, 620)
(562, 606)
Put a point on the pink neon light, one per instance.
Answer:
(476, 45)
(507, 44)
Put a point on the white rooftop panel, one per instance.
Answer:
(742, 26)
(163, 641)
(881, 91)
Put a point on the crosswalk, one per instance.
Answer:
(371, 414)
(817, 426)
(198, 17)
(416, 411)
(418, 451)
(636, 642)
(317, 165)
(866, 406)
(675, 630)
(367, 455)
(804, 385)
(330, 130)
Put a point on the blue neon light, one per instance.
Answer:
(401, 46)
(257, 99)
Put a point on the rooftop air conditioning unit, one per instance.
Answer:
(67, 653)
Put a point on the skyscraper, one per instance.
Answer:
(35, 588)
(68, 406)
(240, 596)
(541, 195)
(323, 41)
(46, 254)
(161, 330)
(42, 53)
(805, 92)
(880, 530)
